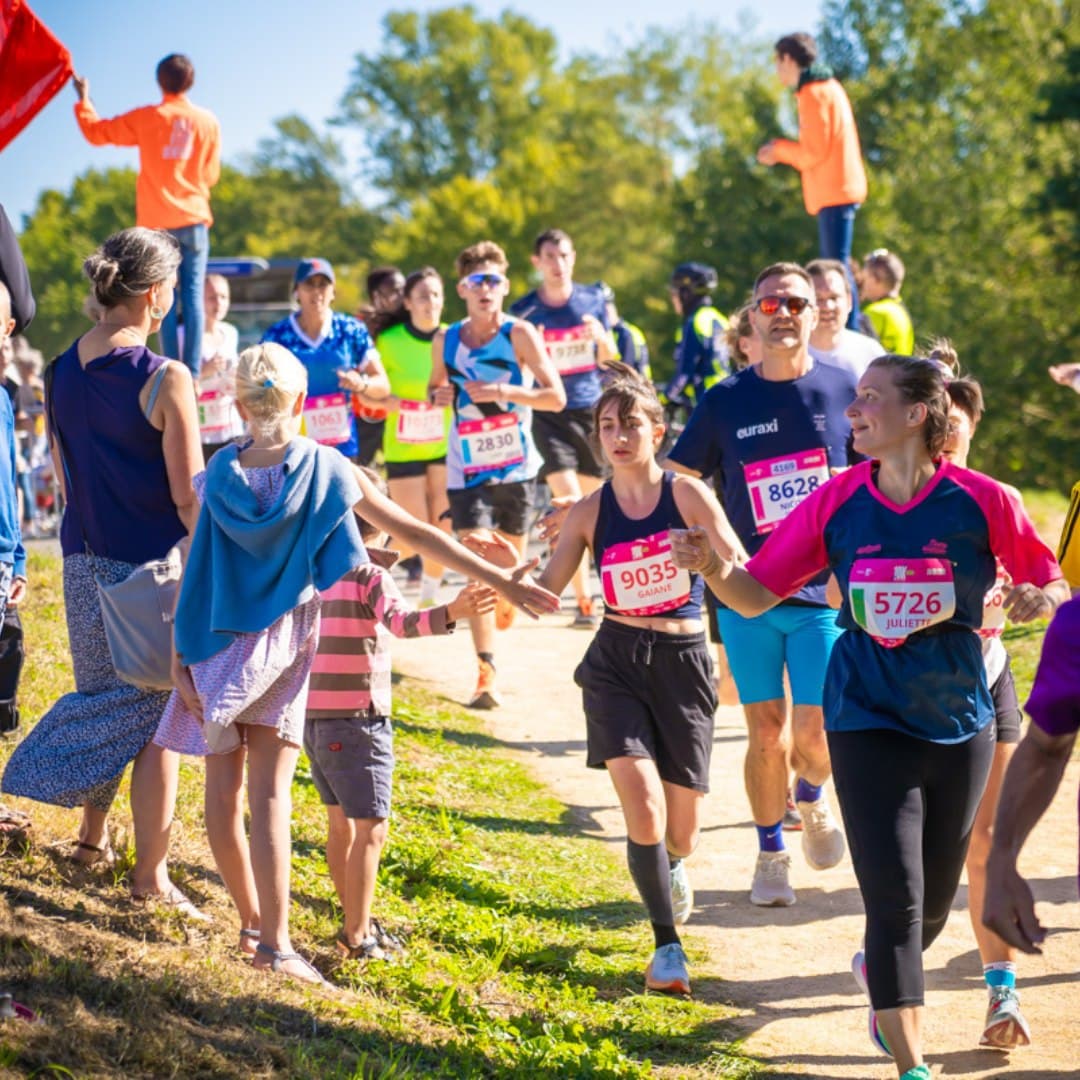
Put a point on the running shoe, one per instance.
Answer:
(822, 840)
(667, 971)
(771, 887)
(485, 695)
(388, 942)
(585, 618)
(1006, 1027)
(682, 895)
(792, 820)
(917, 1072)
(858, 969)
(504, 614)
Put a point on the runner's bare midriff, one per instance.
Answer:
(659, 624)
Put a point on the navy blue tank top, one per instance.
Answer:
(633, 558)
(118, 493)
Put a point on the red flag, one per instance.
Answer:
(33, 67)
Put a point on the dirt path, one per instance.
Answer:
(786, 970)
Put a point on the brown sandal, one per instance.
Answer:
(95, 856)
(173, 900)
(15, 829)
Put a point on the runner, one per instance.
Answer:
(385, 288)
(630, 344)
(494, 371)
(414, 439)
(337, 353)
(1005, 1026)
(832, 342)
(701, 358)
(912, 540)
(769, 435)
(646, 678)
(573, 322)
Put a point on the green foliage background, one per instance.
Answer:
(475, 127)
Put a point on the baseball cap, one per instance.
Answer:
(311, 267)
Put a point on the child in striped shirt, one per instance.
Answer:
(347, 732)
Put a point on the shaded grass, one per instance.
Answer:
(525, 945)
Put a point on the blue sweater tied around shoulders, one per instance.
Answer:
(248, 567)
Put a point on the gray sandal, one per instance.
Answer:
(278, 958)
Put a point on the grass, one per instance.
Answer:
(525, 945)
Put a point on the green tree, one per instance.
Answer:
(947, 103)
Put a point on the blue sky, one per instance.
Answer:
(258, 61)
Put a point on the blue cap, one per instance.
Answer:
(310, 267)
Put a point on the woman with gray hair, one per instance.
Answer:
(124, 436)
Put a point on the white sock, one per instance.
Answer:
(429, 588)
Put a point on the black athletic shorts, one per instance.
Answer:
(404, 470)
(649, 695)
(506, 507)
(712, 606)
(565, 442)
(369, 439)
(1007, 715)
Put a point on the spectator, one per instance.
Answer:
(122, 423)
(827, 152)
(883, 275)
(179, 162)
(14, 277)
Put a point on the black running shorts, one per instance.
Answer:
(565, 442)
(650, 695)
(506, 507)
(1007, 715)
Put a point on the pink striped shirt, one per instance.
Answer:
(352, 668)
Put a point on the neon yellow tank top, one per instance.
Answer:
(416, 431)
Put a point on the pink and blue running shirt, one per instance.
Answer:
(767, 445)
(344, 343)
(914, 579)
(568, 341)
(351, 673)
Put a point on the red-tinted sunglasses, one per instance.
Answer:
(770, 305)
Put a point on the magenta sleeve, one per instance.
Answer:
(795, 550)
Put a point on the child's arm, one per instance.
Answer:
(402, 620)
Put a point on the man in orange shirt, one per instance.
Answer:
(179, 162)
(827, 152)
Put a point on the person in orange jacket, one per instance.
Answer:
(179, 162)
(827, 152)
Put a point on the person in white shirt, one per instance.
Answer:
(831, 342)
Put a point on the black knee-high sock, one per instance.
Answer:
(651, 871)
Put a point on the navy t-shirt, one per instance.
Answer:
(568, 341)
(767, 445)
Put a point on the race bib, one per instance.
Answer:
(418, 422)
(640, 578)
(778, 485)
(993, 622)
(572, 350)
(493, 442)
(326, 419)
(215, 413)
(892, 599)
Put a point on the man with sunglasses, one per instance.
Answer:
(769, 435)
(574, 324)
(494, 371)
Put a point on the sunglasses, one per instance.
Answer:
(770, 305)
(475, 281)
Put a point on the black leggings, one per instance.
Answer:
(908, 808)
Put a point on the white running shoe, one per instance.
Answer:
(771, 887)
(682, 894)
(877, 1036)
(667, 971)
(822, 839)
(1006, 1027)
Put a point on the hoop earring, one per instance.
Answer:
(157, 313)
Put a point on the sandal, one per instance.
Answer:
(95, 856)
(277, 959)
(15, 827)
(174, 900)
(247, 934)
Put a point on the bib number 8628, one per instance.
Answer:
(798, 487)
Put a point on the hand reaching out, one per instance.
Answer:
(474, 599)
